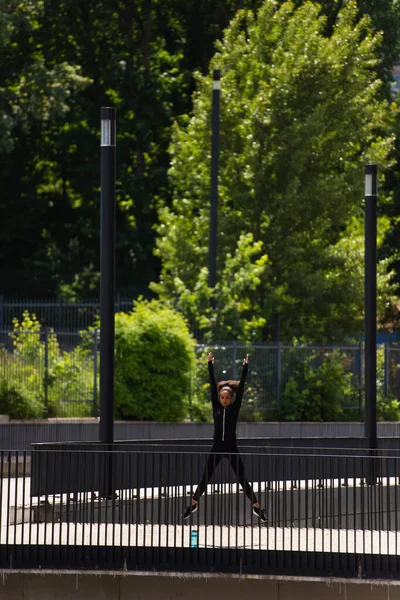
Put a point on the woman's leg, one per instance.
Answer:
(213, 461)
(238, 467)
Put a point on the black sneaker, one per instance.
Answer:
(261, 514)
(189, 510)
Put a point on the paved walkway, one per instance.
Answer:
(15, 498)
(178, 536)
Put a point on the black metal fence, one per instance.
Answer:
(56, 313)
(59, 371)
(44, 374)
(330, 514)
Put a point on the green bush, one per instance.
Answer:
(318, 388)
(19, 402)
(154, 357)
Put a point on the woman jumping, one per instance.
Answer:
(225, 419)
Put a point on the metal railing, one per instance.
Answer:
(328, 514)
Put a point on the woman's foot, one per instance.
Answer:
(260, 513)
(190, 509)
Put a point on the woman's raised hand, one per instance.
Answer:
(210, 357)
(246, 360)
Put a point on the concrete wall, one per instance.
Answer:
(101, 586)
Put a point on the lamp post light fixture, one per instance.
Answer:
(107, 274)
(370, 223)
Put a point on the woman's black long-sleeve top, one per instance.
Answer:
(225, 419)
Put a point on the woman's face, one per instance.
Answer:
(225, 397)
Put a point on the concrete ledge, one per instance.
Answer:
(103, 585)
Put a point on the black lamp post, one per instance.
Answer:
(370, 304)
(214, 177)
(107, 274)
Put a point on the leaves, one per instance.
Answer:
(300, 115)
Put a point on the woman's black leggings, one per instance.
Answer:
(213, 460)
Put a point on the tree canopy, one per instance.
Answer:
(301, 113)
(61, 61)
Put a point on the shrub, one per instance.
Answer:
(18, 401)
(153, 362)
(318, 388)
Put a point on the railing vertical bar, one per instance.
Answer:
(214, 504)
(14, 529)
(296, 501)
(223, 474)
(145, 457)
(3, 518)
(332, 505)
(388, 502)
(168, 490)
(162, 493)
(237, 516)
(152, 460)
(30, 502)
(306, 461)
(261, 499)
(92, 475)
(46, 499)
(355, 502)
(346, 463)
(183, 496)
(322, 494)
(252, 520)
(339, 498)
(313, 504)
(129, 491)
(53, 519)
(178, 504)
(290, 480)
(107, 485)
(75, 501)
(8, 501)
(121, 507)
(396, 488)
(24, 456)
(191, 461)
(137, 466)
(378, 497)
(101, 461)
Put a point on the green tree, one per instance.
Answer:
(300, 115)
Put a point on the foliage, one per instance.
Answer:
(39, 379)
(19, 401)
(318, 389)
(153, 361)
(63, 60)
(200, 408)
(300, 115)
(387, 406)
